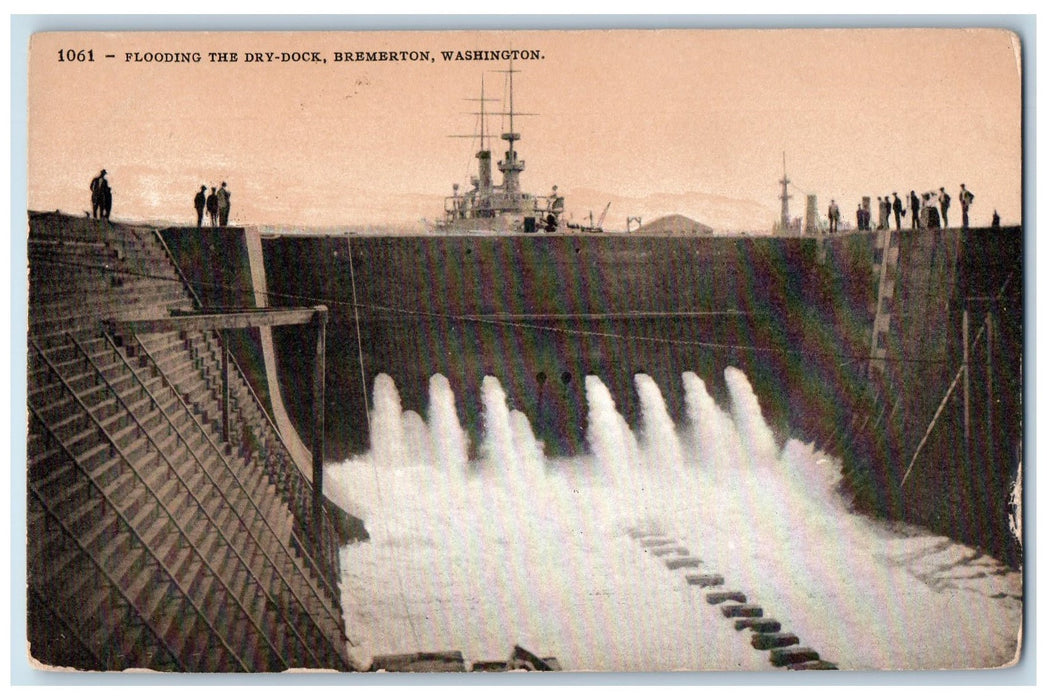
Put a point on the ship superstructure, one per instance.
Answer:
(490, 207)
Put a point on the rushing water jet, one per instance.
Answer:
(613, 445)
(756, 436)
(660, 445)
(388, 439)
(450, 444)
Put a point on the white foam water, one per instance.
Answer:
(517, 548)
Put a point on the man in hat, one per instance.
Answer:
(943, 202)
(98, 186)
(914, 209)
(899, 212)
(965, 202)
(212, 208)
(199, 201)
(223, 206)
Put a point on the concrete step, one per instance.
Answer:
(126, 569)
(705, 580)
(63, 474)
(162, 350)
(99, 528)
(740, 610)
(793, 655)
(717, 597)
(774, 640)
(683, 563)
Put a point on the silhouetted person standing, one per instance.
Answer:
(965, 202)
(834, 216)
(212, 207)
(995, 219)
(930, 213)
(884, 203)
(98, 184)
(914, 208)
(944, 200)
(223, 206)
(107, 200)
(200, 201)
(899, 212)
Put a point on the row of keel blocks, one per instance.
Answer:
(766, 633)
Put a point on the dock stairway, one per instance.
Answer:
(159, 535)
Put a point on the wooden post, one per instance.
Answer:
(318, 426)
(966, 390)
(225, 386)
(989, 447)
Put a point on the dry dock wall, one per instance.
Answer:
(939, 445)
(795, 314)
(541, 313)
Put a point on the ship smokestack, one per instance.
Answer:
(484, 158)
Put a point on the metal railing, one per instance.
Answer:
(121, 516)
(305, 514)
(163, 505)
(232, 472)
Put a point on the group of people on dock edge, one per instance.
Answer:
(217, 206)
(928, 211)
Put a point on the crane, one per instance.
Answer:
(598, 227)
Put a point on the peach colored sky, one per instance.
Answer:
(621, 113)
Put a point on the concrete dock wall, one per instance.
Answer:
(933, 444)
(540, 313)
(795, 314)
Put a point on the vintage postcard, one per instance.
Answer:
(480, 351)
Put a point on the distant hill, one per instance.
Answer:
(722, 214)
(675, 225)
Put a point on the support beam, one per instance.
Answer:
(206, 320)
(225, 320)
(966, 389)
(225, 386)
(989, 398)
(320, 322)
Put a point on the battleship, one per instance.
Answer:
(488, 207)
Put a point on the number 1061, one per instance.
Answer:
(76, 55)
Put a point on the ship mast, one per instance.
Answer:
(483, 117)
(785, 196)
(483, 156)
(511, 167)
